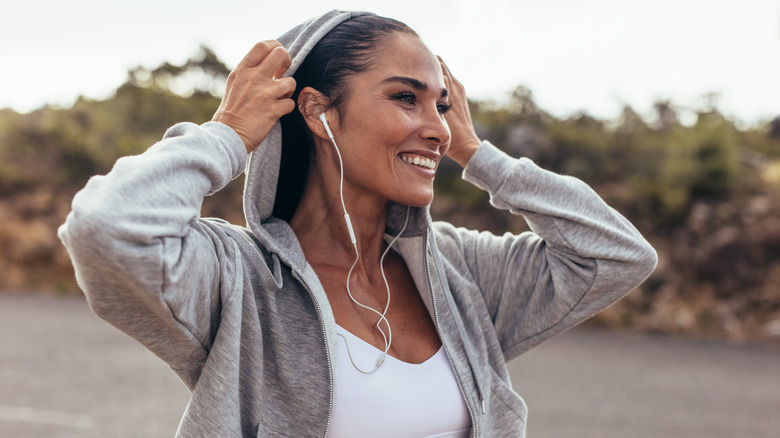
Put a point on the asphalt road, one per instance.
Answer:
(65, 373)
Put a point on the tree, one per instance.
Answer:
(204, 73)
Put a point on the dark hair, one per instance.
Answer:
(348, 49)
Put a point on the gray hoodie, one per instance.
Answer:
(241, 317)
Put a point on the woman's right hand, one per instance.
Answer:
(257, 95)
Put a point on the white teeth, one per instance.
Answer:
(419, 161)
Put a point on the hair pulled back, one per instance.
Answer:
(348, 49)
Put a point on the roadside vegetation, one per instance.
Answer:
(706, 192)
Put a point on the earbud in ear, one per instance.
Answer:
(327, 127)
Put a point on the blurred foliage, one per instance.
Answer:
(658, 168)
(64, 147)
(653, 171)
(680, 183)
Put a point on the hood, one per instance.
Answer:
(262, 172)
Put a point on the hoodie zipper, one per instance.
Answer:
(444, 344)
(302, 279)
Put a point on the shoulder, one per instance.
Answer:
(234, 238)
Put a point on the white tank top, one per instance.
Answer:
(400, 399)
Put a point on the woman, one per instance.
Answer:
(341, 310)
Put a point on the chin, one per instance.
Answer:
(416, 199)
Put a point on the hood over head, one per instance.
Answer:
(262, 172)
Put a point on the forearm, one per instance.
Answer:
(140, 255)
(563, 210)
(581, 256)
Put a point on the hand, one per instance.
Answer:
(257, 95)
(464, 141)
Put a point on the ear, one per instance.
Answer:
(312, 103)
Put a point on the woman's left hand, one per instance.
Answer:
(464, 141)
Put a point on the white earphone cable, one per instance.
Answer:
(388, 338)
(389, 341)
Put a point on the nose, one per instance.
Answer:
(434, 127)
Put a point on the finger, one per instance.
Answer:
(444, 69)
(452, 84)
(275, 64)
(286, 106)
(282, 88)
(278, 109)
(448, 73)
(258, 53)
(286, 63)
(285, 87)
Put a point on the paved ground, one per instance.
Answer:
(591, 384)
(65, 373)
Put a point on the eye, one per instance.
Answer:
(405, 97)
(443, 108)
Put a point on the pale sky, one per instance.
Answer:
(592, 55)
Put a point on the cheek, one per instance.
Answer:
(397, 126)
(380, 130)
(386, 132)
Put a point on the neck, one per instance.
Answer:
(320, 225)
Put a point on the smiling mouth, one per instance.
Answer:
(416, 160)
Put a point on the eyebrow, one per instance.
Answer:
(414, 83)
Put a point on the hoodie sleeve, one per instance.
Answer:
(145, 260)
(579, 257)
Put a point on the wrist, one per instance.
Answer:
(225, 118)
(463, 153)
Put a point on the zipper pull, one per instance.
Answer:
(484, 410)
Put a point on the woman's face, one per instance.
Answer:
(392, 133)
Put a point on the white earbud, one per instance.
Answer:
(324, 121)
